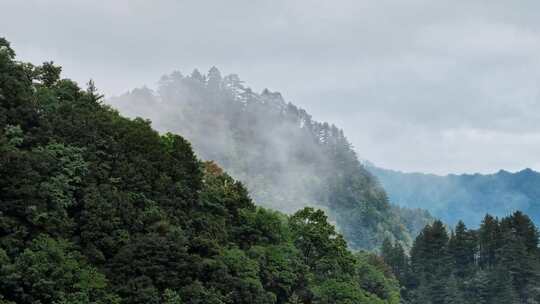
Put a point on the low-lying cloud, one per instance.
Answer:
(433, 86)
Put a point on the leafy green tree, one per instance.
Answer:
(98, 208)
(336, 292)
(324, 250)
(377, 279)
(282, 271)
(171, 297)
(257, 136)
(50, 271)
(48, 74)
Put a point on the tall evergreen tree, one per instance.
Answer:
(462, 247)
(498, 263)
(489, 240)
(501, 289)
(453, 293)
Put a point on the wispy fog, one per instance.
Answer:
(272, 146)
(432, 86)
(286, 159)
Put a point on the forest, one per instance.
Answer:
(497, 263)
(287, 159)
(98, 208)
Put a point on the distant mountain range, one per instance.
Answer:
(467, 196)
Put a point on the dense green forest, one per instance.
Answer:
(497, 263)
(98, 208)
(466, 197)
(286, 159)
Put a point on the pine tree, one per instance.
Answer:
(197, 76)
(477, 290)
(516, 255)
(401, 263)
(501, 290)
(395, 257)
(462, 247)
(214, 80)
(387, 252)
(429, 255)
(496, 264)
(489, 241)
(453, 293)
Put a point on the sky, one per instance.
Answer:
(417, 85)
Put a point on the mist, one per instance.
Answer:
(435, 87)
(372, 151)
(465, 197)
(261, 148)
(286, 159)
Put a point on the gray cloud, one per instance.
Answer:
(434, 86)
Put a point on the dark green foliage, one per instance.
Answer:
(489, 238)
(98, 208)
(462, 248)
(453, 294)
(52, 271)
(319, 243)
(377, 278)
(286, 159)
(498, 263)
(395, 257)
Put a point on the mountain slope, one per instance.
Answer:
(98, 208)
(468, 197)
(286, 159)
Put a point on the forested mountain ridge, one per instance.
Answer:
(286, 159)
(467, 197)
(98, 208)
(498, 263)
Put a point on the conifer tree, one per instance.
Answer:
(501, 290)
(489, 240)
(453, 292)
(498, 263)
(462, 247)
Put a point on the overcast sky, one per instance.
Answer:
(429, 86)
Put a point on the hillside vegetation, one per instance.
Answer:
(286, 159)
(98, 208)
(498, 263)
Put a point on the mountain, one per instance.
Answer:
(286, 159)
(98, 208)
(468, 196)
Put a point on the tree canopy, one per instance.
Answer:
(99, 208)
(497, 263)
(286, 159)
